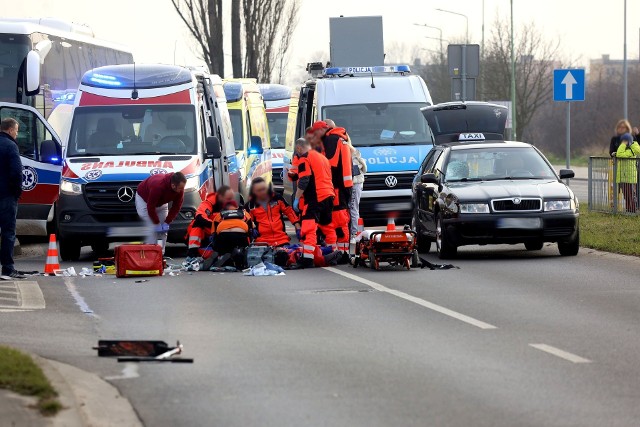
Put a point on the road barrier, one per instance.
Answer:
(613, 185)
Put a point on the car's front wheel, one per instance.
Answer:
(70, 249)
(424, 244)
(570, 247)
(445, 248)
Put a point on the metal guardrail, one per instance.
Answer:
(613, 185)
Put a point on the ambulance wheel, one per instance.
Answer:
(69, 249)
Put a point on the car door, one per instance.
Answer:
(41, 156)
(430, 192)
(424, 191)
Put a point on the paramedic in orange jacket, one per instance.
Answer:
(200, 228)
(333, 143)
(316, 189)
(267, 210)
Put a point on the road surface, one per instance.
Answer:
(510, 338)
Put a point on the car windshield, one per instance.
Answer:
(490, 164)
(133, 129)
(277, 128)
(381, 124)
(238, 129)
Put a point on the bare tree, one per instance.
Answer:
(236, 37)
(268, 27)
(291, 21)
(536, 58)
(203, 18)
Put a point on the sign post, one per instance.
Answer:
(569, 86)
(464, 68)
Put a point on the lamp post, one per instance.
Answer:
(625, 71)
(463, 76)
(514, 133)
(434, 28)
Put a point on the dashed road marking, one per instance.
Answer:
(422, 302)
(21, 296)
(574, 358)
(130, 371)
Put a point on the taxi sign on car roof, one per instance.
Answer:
(471, 137)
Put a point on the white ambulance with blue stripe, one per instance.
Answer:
(379, 107)
(130, 122)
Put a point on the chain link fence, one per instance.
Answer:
(613, 185)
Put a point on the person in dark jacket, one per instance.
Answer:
(152, 203)
(10, 191)
(622, 127)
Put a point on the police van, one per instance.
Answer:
(276, 100)
(379, 107)
(130, 122)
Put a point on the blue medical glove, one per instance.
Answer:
(299, 234)
(296, 204)
(254, 233)
(159, 228)
(165, 227)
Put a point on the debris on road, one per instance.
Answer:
(264, 269)
(141, 351)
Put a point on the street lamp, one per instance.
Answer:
(434, 28)
(514, 128)
(458, 14)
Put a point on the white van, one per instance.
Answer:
(130, 122)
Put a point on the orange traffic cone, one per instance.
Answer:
(360, 227)
(391, 224)
(52, 263)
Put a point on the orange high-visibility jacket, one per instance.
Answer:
(336, 149)
(316, 166)
(269, 220)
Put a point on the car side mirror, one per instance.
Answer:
(429, 178)
(51, 152)
(213, 147)
(567, 174)
(33, 73)
(256, 145)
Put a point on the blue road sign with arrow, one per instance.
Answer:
(569, 85)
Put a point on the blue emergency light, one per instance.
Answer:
(104, 80)
(380, 69)
(233, 91)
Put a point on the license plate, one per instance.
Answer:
(520, 223)
(398, 206)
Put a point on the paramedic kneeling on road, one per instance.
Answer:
(267, 210)
(314, 198)
(152, 203)
(200, 228)
(232, 227)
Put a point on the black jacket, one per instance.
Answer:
(615, 143)
(10, 167)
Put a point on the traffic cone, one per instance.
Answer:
(52, 263)
(391, 224)
(360, 227)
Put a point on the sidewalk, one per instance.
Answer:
(88, 400)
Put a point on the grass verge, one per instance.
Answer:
(20, 374)
(610, 232)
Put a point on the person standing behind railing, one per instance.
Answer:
(622, 127)
(627, 174)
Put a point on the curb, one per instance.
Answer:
(88, 399)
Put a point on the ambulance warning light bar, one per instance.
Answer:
(336, 71)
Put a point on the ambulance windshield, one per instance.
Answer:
(381, 124)
(133, 130)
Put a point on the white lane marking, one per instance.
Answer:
(574, 358)
(31, 296)
(80, 302)
(424, 303)
(28, 296)
(130, 371)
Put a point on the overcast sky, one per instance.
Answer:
(587, 28)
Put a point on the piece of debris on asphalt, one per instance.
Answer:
(141, 351)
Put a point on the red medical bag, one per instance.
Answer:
(139, 260)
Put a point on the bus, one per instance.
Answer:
(42, 61)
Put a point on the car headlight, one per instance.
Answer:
(193, 184)
(474, 208)
(558, 205)
(71, 188)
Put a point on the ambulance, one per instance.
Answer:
(276, 99)
(380, 108)
(250, 132)
(131, 122)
